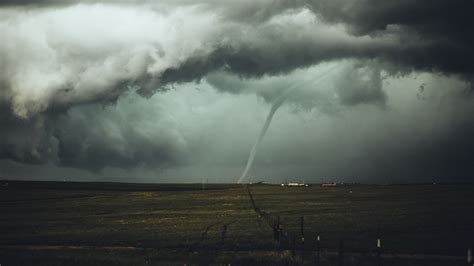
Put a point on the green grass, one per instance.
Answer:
(177, 224)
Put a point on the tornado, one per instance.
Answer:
(254, 150)
(278, 102)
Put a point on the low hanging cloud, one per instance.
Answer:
(361, 84)
(63, 61)
(195, 131)
(59, 57)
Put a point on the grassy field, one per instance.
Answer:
(61, 223)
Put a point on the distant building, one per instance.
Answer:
(329, 184)
(294, 184)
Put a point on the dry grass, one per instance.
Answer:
(166, 226)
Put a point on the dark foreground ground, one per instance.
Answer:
(58, 223)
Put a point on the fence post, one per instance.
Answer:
(379, 251)
(279, 232)
(469, 256)
(293, 247)
(341, 251)
(302, 239)
(317, 249)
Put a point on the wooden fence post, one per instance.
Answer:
(379, 251)
(469, 256)
(280, 233)
(317, 249)
(341, 252)
(302, 238)
(293, 247)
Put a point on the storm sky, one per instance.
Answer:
(135, 91)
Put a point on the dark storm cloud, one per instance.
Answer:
(28, 141)
(434, 36)
(55, 58)
(440, 147)
(443, 29)
(91, 141)
(287, 37)
(361, 84)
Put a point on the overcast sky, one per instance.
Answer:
(373, 91)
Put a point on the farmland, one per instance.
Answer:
(61, 223)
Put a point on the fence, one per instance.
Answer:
(310, 251)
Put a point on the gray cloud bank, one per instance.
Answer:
(64, 62)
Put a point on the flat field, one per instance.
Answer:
(62, 223)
